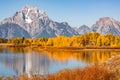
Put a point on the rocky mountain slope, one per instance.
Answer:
(106, 25)
(9, 30)
(83, 29)
(38, 24)
(34, 23)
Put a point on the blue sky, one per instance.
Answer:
(75, 12)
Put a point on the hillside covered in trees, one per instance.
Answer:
(89, 39)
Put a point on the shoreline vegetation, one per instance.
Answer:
(60, 48)
(87, 41)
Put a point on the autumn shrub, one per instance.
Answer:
(88, 73)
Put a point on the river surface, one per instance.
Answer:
(16, 61)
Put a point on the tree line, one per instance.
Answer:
(88, 39)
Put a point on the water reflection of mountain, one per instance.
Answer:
(24, 63)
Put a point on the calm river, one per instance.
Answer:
(16, 61)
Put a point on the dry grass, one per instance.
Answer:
(89, 73)
(113, 64)
(102, 47)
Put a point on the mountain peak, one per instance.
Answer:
(29, 7)
(106, 21)
(84, 26)
(82, 29)
(65, 23)
(33, 9)
(32, 13)
(107, 25)
(105, 18)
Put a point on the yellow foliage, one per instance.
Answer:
(89, 39)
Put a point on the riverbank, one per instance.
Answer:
(74, 48)
(69, 47)
(63, 47)
(113, 65)
(12, 45)
(88, 73)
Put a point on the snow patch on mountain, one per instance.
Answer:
(27, 18)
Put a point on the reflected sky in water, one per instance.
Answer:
(16, 61)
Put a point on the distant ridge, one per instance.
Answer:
(35, 23)
(107, 25)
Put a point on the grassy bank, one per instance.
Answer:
(88, 73)
(67, 47)
(76, 48)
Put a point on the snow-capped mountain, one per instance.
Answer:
(83, 29)
(37, 23)
(107, 25)
(34, 23)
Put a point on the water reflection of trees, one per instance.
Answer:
(39, 60)
(1, 49)
(16, 50)
(88, 56)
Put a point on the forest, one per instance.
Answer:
(88, 39)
